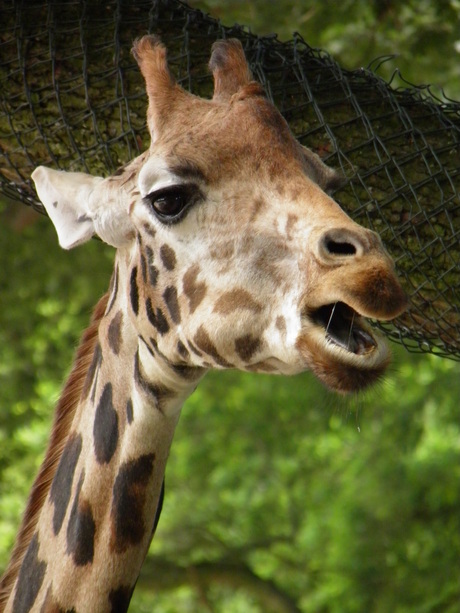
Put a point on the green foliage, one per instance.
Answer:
(423, 35)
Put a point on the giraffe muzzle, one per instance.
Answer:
(338, 344)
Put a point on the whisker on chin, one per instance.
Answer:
(351, 330)
(330, 317)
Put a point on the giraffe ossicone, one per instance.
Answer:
(230, 254)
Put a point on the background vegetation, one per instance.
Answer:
(421, 38)
(279, 496)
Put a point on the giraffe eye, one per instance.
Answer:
(170, 204)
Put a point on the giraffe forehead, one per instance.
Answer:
(218, 142)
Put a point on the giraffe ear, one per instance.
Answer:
(79, 207)
(229, 68)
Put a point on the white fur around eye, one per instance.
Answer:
(155, 175)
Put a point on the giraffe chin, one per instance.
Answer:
(341, 349)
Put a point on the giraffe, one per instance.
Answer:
(230, 253)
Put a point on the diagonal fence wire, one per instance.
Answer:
(72, 98)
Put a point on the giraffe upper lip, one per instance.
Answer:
(344, 327)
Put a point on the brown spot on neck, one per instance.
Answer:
(114, 333)
(30, 578)
(120, 598)
(128, 501)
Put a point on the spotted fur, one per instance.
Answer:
(81, 529)
(128, 501)
(63, 479)
(30, 578)
(105, 428)
(114, 336)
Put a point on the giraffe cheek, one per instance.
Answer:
(205, 343)
(247, 346)
(172, 304)
(194, 290)
(156, 317)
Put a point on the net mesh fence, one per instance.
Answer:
(73, 98)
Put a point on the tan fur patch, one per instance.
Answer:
(223, 251)
(281, 324)
(51, 605)
(235, 300)
(204, 343)
(291, 222)
(195, 291)
(168, 257)
(257, 207)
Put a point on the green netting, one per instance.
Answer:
(72, 98)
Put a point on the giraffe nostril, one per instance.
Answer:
(340, 248)
(340, 243)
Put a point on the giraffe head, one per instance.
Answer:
(230, 249)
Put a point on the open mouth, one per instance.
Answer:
(344, 327)
(340, 347)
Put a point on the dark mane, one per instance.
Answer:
(64, 414)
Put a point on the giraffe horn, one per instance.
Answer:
(326, 177)
(229, 68)
(162, 90)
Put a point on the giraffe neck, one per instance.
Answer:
(96, 524)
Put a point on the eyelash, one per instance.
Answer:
(177, 198)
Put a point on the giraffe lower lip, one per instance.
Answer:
(344, 328)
